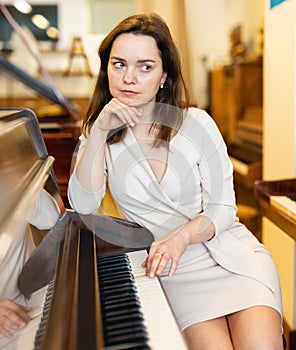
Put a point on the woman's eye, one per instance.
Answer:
(118, 64)
(145, 67)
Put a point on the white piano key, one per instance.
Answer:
(24, 339)
(284, 204)
(163, 330)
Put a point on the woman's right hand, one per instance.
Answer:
(13, 316)
(116, 114)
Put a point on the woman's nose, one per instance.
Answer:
(129, 76)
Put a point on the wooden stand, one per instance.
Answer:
(77, 50)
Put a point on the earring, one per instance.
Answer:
(161, 85)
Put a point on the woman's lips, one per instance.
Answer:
(128, 92)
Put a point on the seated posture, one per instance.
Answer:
(167, 169)
(15, 249)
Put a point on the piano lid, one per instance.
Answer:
(25, 166)
(51, 91)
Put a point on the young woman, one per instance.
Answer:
(168, 170)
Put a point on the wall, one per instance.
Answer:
(208, 26)
(279, 134)
(104, 16)
(73, 18)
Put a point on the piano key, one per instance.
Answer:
(163, 330)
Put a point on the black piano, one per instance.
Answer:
(84, 279)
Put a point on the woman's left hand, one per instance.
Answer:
(169, 248)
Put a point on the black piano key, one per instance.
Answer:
(127, 330)
(121, 300)
(127, 305)
(43, 321)
(124, 325)
(123, 321)
(136, 338)
(112, 297)
(292, 196)
(114, 275)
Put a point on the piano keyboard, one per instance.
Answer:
(149, 326)
(135, 312)
(285, 204)
(24, 339)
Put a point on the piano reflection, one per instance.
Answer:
(84, 280)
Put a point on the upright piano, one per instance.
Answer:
(277, 202)
(236, 92)
(84, 280)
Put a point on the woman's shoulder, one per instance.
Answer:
(198, 116)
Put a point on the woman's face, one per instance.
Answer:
(135, 69)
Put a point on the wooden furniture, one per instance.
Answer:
(235, 89)
(265, 191)
(236, 106)
(77, 50)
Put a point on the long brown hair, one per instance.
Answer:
(174, 92)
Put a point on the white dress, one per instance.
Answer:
(230, 272)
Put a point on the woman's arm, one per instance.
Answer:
(219, 209)
(87, 183)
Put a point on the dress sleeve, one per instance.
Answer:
(80, 200)
(216, 172)
(47, 212)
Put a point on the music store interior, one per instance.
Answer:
(239, 63)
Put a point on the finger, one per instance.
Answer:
(15, 320)
(125, 113)
(130, 115)
(5, 332)
(144, 263)
(158, 264)
(150, 257)
(173, 267)
(162, 264)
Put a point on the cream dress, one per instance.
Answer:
(232, 271)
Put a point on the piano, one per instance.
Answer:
(236, 92)
(276, 200)
(60, 122)
(84, 280)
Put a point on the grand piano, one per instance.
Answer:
(84, 280)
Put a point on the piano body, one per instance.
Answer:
(236, 105)
(277, 202)
(60, 122)
(84, 280)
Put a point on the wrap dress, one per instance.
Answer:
(230, 272)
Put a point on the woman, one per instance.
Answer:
(168, 170)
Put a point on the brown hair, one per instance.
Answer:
(174, 92)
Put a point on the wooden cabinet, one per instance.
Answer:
(234, 90)
(236, 98)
